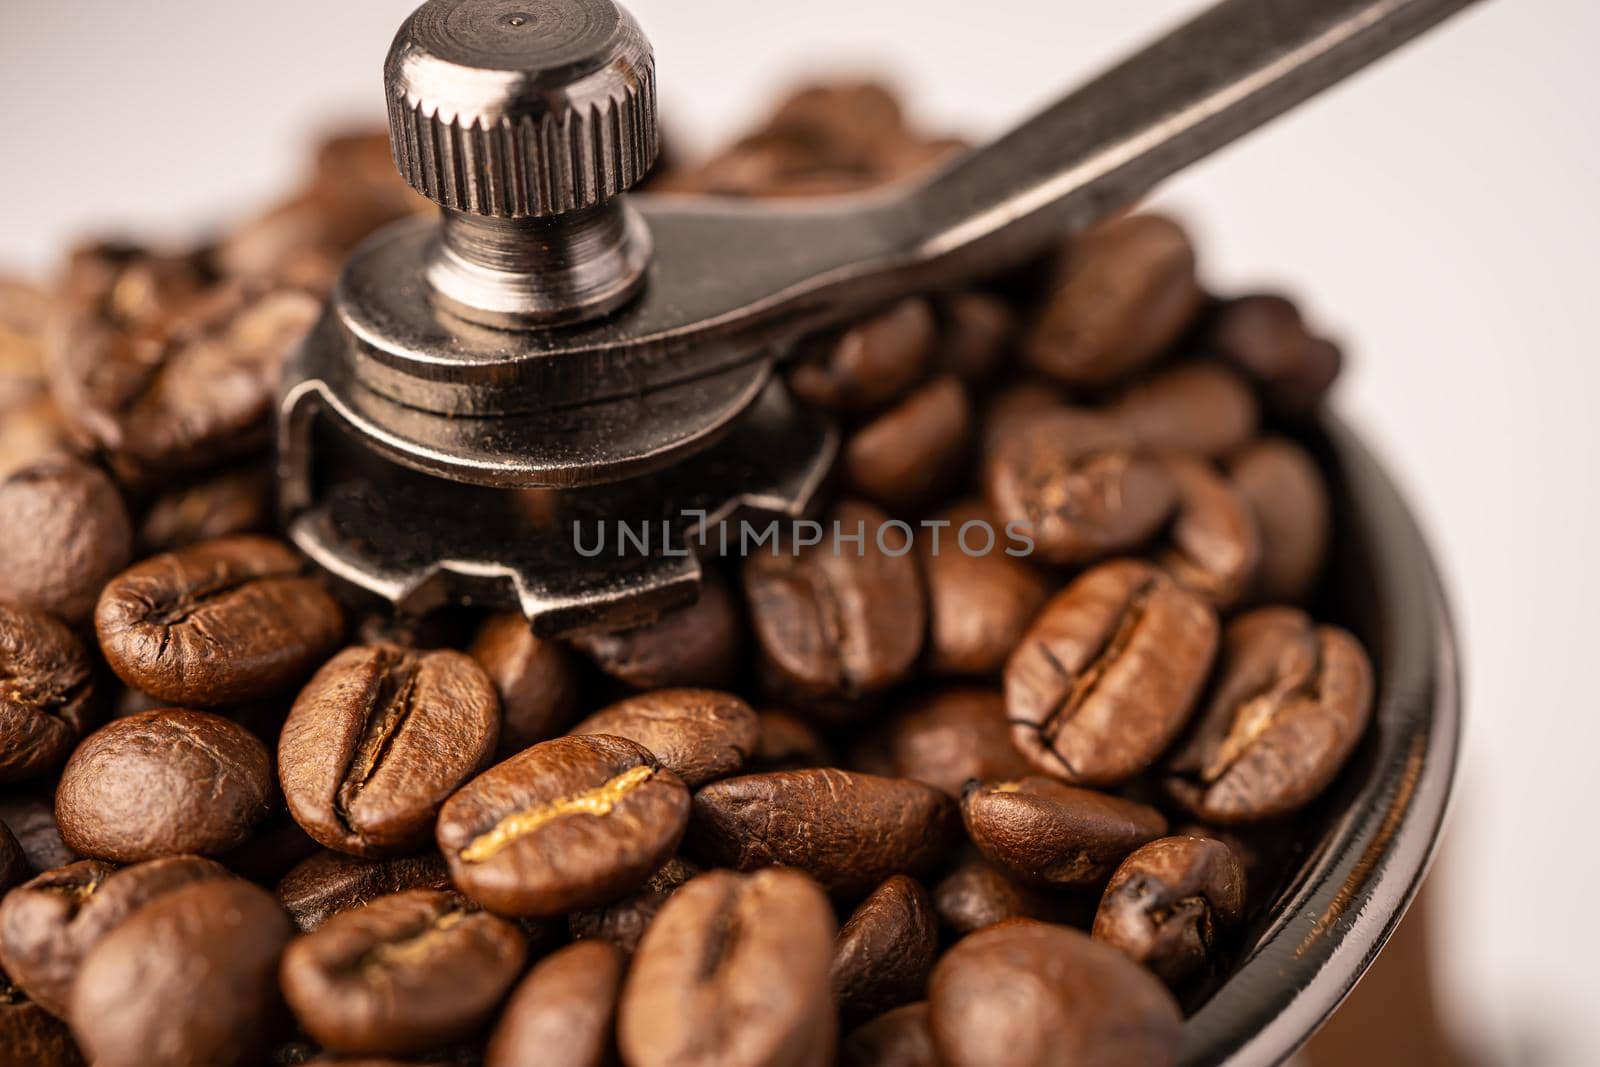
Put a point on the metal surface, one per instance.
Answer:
(1381, 820)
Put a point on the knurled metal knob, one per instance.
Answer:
(521, 109)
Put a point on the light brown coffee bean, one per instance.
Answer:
(1076, 483)
(567, 824)
(1213, 547)
(1201, 409)
(870, 365)
(624, 923)
(945, 739)
(898, 1038)
(698, 645)
(562, 1014)
(980, 600)
(222, 622)
(401, 974)
(63, 533)
(47, 700)
(1290, 702)
(1124, 292)
(329, 883)
(906, 456)
(535, 678)
(1108, 673)
(734, 972)
(1055, 836)
(379, 739)
(163, 783)
(698, 734)
(1024, 993)
(885, 950)
(1288, 497)
(849, 831)
(1169, 901)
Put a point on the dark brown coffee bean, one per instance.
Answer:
(189, 979)
(1108, 673)
(1169, 901)
(1025, 993)
(63, 533)
(734, 972)
(562, 1014)
(402, 974)
(269, 854)
(1265, 336)
(30, 815)
(1055, 836)
(332, 882)
(567, 824)
(14, 869)
(51, 924)
(536, 679)
(31, 1036)
(977, 894)
(1125, 291)
(849, 831)
(624, 923)
(1075, 482)
(697, 645)
(885, 950)
(238, 501)
(1213, 547)
(378, 740)
(976, 331)
(979, 601)
(163, 783)
(838, 619)
(698, 734)
(784, 743)
(47, 701)
(910, 453)
(945, 739)
(1022, 395)
(223, 622)
(870, 365)
(1289, 500)
(1290, 702)
(898, 1038)
(1201, 409)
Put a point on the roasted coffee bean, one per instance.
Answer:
(784, 743)
(31, 431)
(1290, 702)
(536, 679)
(1055, 836)
(377, 741)
(698, 734)
(910, 453)
(567, 824)
(976, 331)
(885, 950)
(1022, 395)
(164, 783)
(31, 1036)
(1213, 547)
(945, 739)
(624, 923)
(870, 365)
(222, 622)
(734, 972)
(977, 894)
(1125, 291)
(47, 692)
(697, 645)
(838, 619)
(898, 1038)
(14, 869)
(402, 974)
(1167, 903)
(980, 600)
(269, 854)
(238, 501)
(562, 1014)
(849, 831)
(190, 980)
(1108, 673)
(332, 882)
(51, 924)
(63, 533)
(1201, 409)
(1289, 500)
(1076, 483)
(30, 815)
(1026, 993)
(1265, 336)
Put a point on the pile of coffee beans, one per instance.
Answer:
(976, 800)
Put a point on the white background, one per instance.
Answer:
(1437, 213)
